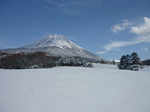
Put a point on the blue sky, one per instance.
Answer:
(107, 28)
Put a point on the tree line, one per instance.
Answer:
(38, 60)
(27, 60)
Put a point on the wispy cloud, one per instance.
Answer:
(73, 7)
(117, 44)
(101, 52)
(121, 26)
(142, 31)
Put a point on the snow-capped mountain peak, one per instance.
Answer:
(53, 40)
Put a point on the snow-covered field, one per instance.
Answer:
(75, 89)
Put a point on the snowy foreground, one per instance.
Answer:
(75, 89)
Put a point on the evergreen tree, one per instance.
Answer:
(136, 59)
(122, 62)
(130, 62)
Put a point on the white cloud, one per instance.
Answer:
(143, 32)
(143, 29)
(121, 26)
(117, 28)
(102, 52)
(117, 44)
(146, 49)
(114, 45)
(143, 39)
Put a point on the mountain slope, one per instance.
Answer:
(57, 45)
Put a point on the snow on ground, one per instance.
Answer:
(75, 89)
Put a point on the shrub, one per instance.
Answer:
(73, 62)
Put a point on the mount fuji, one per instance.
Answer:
(56, 45)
